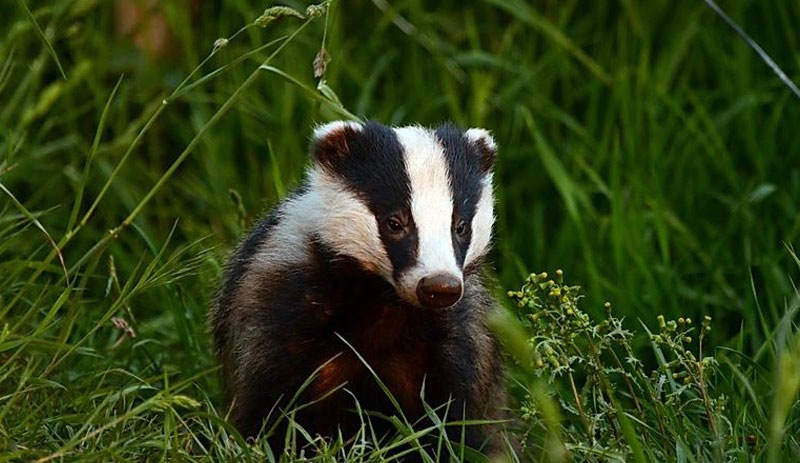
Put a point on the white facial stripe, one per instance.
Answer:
(481, 223)
(431, 203)
(348, 226)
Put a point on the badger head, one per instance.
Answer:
(411, 204)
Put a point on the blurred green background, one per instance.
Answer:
(645, 149)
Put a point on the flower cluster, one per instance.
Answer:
(595, 374)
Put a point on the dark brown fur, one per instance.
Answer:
(277, 328)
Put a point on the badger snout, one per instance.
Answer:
(439, 291)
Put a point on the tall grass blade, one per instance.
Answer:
(755, 46)
(43, 37)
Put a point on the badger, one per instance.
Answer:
(369, 275)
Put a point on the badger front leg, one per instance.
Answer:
(468, 383)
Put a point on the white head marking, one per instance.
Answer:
(348, 226)
(431, 207)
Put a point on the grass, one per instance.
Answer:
(645, 149)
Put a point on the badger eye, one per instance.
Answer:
(395, 226)
(461, 228)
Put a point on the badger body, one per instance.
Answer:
(375, 261)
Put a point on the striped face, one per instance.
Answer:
(411, 204)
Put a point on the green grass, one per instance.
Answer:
(645, 149)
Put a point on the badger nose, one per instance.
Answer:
(438, 291)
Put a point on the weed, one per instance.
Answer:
(602, 386)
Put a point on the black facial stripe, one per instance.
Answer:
(464, 170)
(374, 169)
(402, 253)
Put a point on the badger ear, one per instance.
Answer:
(330, 142)
(482, 140)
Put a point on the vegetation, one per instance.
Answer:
(645, 149)
(606, 391)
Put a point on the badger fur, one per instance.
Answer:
(382, 247)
